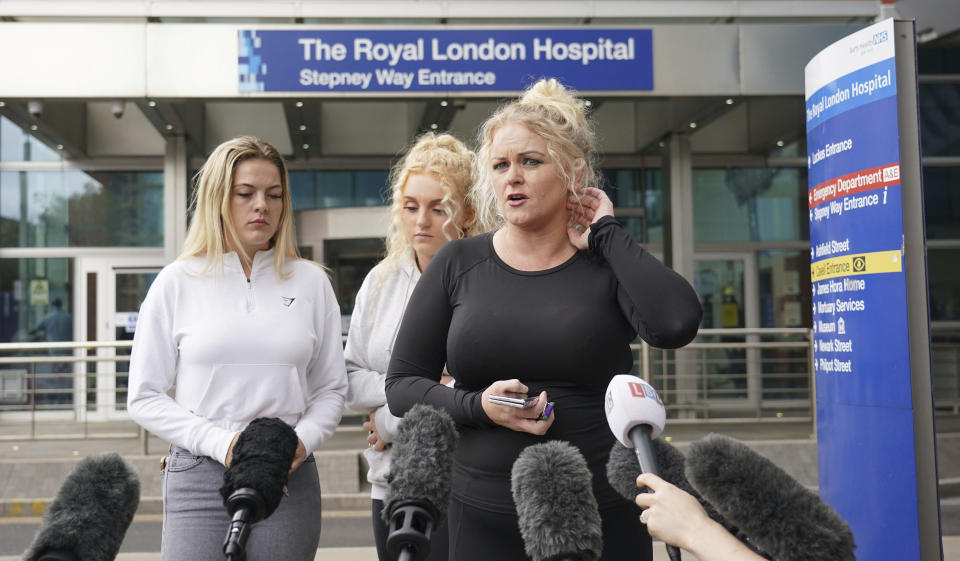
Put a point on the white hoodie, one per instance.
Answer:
(237, 349)
(380, 303)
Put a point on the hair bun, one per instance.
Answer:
(558, 104)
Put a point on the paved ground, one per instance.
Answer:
(346, 529)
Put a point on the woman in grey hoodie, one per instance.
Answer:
(429, 207)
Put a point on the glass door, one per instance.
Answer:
(130, 288)
(112, 290)
(729, 372)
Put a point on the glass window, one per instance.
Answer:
(302, 190)
(29, 290)
(750, 204)
(794, 149)
(371, 188)
(18, 146)
(350, 260)
(131, 290)
(36, 304)
(941, 198)
(784, 288)
(938, 60)
(72, 208)
(335, 189)
(720, 284)
(939, 106)
(785, 301)
(943, 269)
(637, 195)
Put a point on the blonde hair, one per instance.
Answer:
(553, 112)
(211, 231)
(452, 164)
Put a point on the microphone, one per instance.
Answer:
(623, 468)
(782, 517)
(254, 483)
(636, 416)
(90, 514)
(419, 481)
(622, 471)
(558, 515)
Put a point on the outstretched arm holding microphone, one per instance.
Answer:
(674, 516)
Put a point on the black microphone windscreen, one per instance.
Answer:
(422, 461)
(91, 512)
(558, 514)
(782, 517)
(261, 461)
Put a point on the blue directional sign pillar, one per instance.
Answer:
(877, 461)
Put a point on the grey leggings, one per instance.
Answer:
(195, 521)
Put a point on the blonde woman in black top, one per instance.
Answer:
(547, 305)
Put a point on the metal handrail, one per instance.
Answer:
(700, 378)
(64, 345)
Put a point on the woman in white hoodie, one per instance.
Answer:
(243, 328)
(429, 206)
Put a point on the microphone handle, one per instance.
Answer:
(235, 544)
(641, 438)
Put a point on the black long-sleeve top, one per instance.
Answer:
(566, 330)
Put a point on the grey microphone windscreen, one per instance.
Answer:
(782, 517)
(623, 469)
(91, 512)
(422, 462)
(553, 493)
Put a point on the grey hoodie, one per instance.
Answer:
(382, 298)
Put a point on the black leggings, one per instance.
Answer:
(481, 535)
(438, 541)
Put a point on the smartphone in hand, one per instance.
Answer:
(519, 401)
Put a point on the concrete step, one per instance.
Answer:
(27, 486)
(31, 471)
(340, 503)
(341, 471)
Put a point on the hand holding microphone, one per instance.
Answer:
(636, 416)
(622, 470)
(675, 516)
(253, 484)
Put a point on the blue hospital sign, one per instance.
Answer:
(442, 60)
(861, 353)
